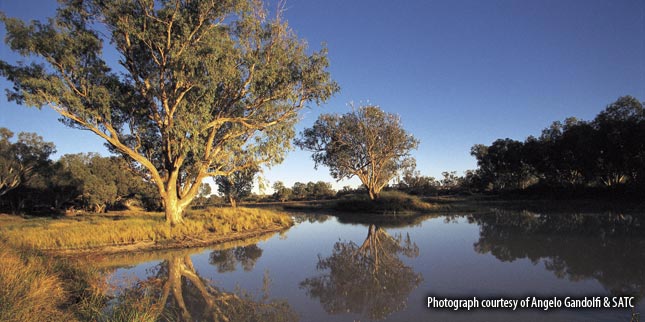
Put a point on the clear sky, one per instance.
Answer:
(458, 72)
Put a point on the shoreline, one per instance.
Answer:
(144, 246)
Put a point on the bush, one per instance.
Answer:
(388, 202)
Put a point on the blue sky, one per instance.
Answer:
(457, 72)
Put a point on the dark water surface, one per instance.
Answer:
(325, 270)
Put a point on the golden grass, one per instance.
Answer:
(30, 289)
(36, 287)
(124, 228)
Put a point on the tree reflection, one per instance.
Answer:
(176, 292)
(226, 260)
(369, 279)
(609, 248)
(300, 217)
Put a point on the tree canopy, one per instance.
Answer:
(366, 142)
(202, 88)
(608, 151)
(96, 182)
(237, 185)
(281, 192)
(22, 159)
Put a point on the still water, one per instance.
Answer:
(325, 270)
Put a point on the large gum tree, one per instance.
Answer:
(194, 89)
(367, 142)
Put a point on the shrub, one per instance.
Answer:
(388, 202)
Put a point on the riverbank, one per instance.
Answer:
(479, 202)
(44, 270)
(402, 205)
(398, 209)
(388, 203)
(131, 230)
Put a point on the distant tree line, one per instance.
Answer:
(31, 182)
(605, 153)
(414, 183)
(303, 191)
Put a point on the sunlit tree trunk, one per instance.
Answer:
(233, 202)
(177, 197)
(173, 210)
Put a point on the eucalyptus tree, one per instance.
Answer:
(619, 141)
(237, 185)
(200, 86)
(367, 143)
(94, 182)
(22, 160)
(9, 167)
(281, 192)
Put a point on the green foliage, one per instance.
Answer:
(312, 190)
(389, 202)
(280, 192)
(205, 192)
(92, 182)
(414, 183)
(207, 86)
(299, 190)
(607, 151)
(9, 165)
(236, 186)
(504, 163)
(366, 142)
(24, 167)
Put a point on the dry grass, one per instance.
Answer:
(31, 289)
(123, 228)
(36, 287)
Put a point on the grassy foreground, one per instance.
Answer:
(36, 286)
(128, 228)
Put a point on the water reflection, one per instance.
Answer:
(387, 221)
(609, 248)
(369, 279)
(300, 217)
(226, 260)
(174, 291)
